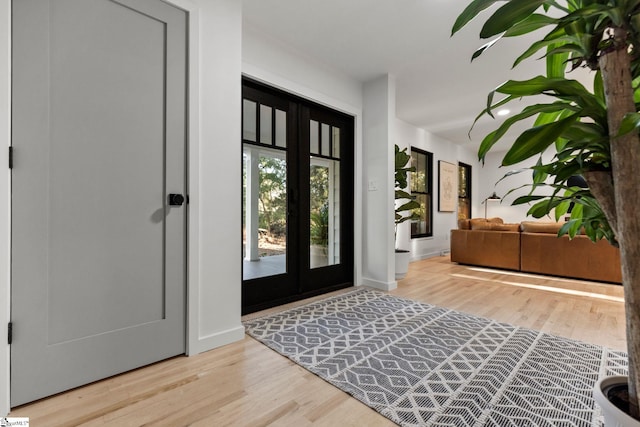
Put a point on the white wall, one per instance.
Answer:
(378, 220)
(215, 274)
(491, 173)
(214, 282)
(409, 136)
(269, 61)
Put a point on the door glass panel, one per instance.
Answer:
(336, 142)
(314, 144)
(266, 118)
(281, 129)
(324, 186)
(249, 120)
(326, 140)
(264, 208)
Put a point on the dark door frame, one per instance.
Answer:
(300, 281)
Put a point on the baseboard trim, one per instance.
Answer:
(376, 284)
(428, 255)
(219, 339)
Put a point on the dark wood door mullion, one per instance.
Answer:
(293, 196)
(273, 127)
(303, 184)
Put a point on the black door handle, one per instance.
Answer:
(176, 199)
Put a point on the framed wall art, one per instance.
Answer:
(447, 188)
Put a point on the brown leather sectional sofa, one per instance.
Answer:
(533, 247)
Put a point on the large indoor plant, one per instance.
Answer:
(404, 206)
(594, 132)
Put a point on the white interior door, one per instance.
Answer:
(98, 254)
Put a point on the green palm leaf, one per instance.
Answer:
(490, 140)
(508, 15)
(471, 12)
(535, 140)
(531, 23)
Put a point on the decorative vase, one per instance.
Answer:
(402, 263)
(613, 416)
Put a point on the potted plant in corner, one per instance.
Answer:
(594, 132)
(404, 206)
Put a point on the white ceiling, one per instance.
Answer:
(438, 88)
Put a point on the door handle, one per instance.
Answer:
(176, 199)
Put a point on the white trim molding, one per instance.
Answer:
(5, 194)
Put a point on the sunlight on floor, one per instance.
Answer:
(520, 274)
(544, 288)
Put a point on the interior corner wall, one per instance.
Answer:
(215, 272)
(5, 186)
(409, 136)
(378, 199)
(269, 61)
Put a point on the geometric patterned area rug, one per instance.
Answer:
(422, 365)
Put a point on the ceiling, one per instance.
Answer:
(438, 87)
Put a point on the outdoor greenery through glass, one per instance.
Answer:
(464, 191)
(272, 204)
(421, 188)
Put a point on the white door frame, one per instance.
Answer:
(5, 188)
(5, 199)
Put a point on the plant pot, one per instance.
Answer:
(402, 263)
(613, 417)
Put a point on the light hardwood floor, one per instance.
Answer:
(247, 384)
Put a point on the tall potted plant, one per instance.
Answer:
(404, 206)
(594, 132)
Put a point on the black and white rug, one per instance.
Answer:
(419, 364)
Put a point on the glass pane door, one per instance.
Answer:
(264, 188)
(264, 208)
(324, 192)
(269, 219)
(326, 178)
(297, 198)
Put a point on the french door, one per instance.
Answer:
(297, 198)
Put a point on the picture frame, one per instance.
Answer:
(447, 188)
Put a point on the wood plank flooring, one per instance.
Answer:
(247, 384)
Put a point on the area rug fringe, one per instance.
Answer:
(423, 365)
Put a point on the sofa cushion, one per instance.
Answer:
(464, 224)
(480, 225)
(540, 227)
(474, 223)
(483, 223)
(505, 227)
(494, 226)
